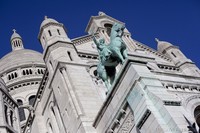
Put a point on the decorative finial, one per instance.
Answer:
(101, 13)
(157, 40)
(14, 30)
(45, 17)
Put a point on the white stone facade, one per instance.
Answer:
(22, 71)
(9, 119)
(154, 92)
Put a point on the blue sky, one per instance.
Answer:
(175, 21)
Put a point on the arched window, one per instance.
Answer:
(31, 100)
(16, 43)
(21, 111)
(49, 33)
(197, 115)
(19, 43)
(173, 54)
(12, 76)
(9, 77)
(27, 72)
(95, 72)
(23, 72)
(30, 71)
(42, 71)
(15, 75)
(5, 113)
(38, 71)
(58, 31)
(69, 54)
(108, 28)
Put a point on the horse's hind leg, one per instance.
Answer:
(119, 55)
(104, 77)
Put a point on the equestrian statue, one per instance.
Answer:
(110, 55)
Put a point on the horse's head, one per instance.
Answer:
(117, 30)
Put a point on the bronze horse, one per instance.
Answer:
(111, 55)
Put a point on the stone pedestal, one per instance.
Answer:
(138, 103)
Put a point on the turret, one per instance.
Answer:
(16, 41)
(56, 44)
(179, 59)
(51, 31)
(102, 24)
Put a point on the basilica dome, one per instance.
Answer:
(21, 71)
(20, 57)
(21, 65)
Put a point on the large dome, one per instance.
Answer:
(21, 57)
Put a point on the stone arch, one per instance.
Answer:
(53, 116)
(108, 28)
(93, 71)
(191, 103)
(102, 23)
(29, 95)
(107, 25)
(20, 98)
(31, 99)
(197, 115)
(49, 125)
(21, 111)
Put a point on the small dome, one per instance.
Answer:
(101, 13)
(15, 35)
(162, 45)
(47, 20)
(21, 57)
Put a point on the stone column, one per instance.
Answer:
(54, 121)
(59, 120)
(8, 116)
(72, 95)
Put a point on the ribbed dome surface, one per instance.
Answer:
(48, 20)
(20, 57)
(15, 35)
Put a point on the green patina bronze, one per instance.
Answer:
(111, 55)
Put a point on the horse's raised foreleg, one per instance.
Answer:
(112, 79)
(107, 84)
